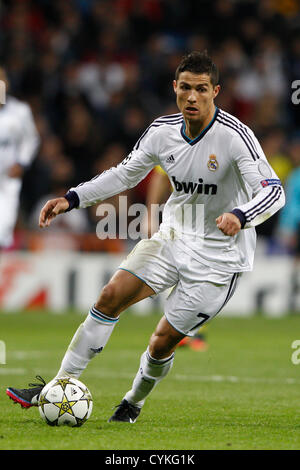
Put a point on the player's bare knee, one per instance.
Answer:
(108, 301)
(160, 346)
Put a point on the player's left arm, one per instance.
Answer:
(254, 171)
(158, 191)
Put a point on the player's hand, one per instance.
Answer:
(15, 171)
(229, 224)
(51, 209)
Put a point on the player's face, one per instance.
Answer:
(195, 95)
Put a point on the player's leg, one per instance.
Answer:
(155, 363)
(154, 271)
(123, 290)
(189, 305)
(151, 263)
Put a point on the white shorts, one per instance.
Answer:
(199, 292)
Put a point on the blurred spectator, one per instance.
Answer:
(290, 214)
(276, 150)
(19, 142)
(274, 145)
(82, 139)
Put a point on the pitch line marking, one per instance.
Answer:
(176, 377)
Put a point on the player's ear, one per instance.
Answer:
(216, 90)
(175, 86)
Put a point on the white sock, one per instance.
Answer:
(150, 373)
(88, 341)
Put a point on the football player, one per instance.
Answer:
(223, 186)
(19, 142)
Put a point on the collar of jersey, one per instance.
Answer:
(202, 134)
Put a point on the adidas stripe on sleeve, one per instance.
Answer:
(255, 171)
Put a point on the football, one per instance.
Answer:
(65, 401)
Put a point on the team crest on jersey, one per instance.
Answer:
(212, 163)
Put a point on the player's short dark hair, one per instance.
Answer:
(198, 63)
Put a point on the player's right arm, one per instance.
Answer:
(51, 209)
(126, 175)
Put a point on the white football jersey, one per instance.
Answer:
(19, 139)
(222, 170)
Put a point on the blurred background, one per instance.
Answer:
(96, 73)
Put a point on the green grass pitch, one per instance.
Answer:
(242, 393)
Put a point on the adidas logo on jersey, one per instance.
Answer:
(191, 187)
(170, 159)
